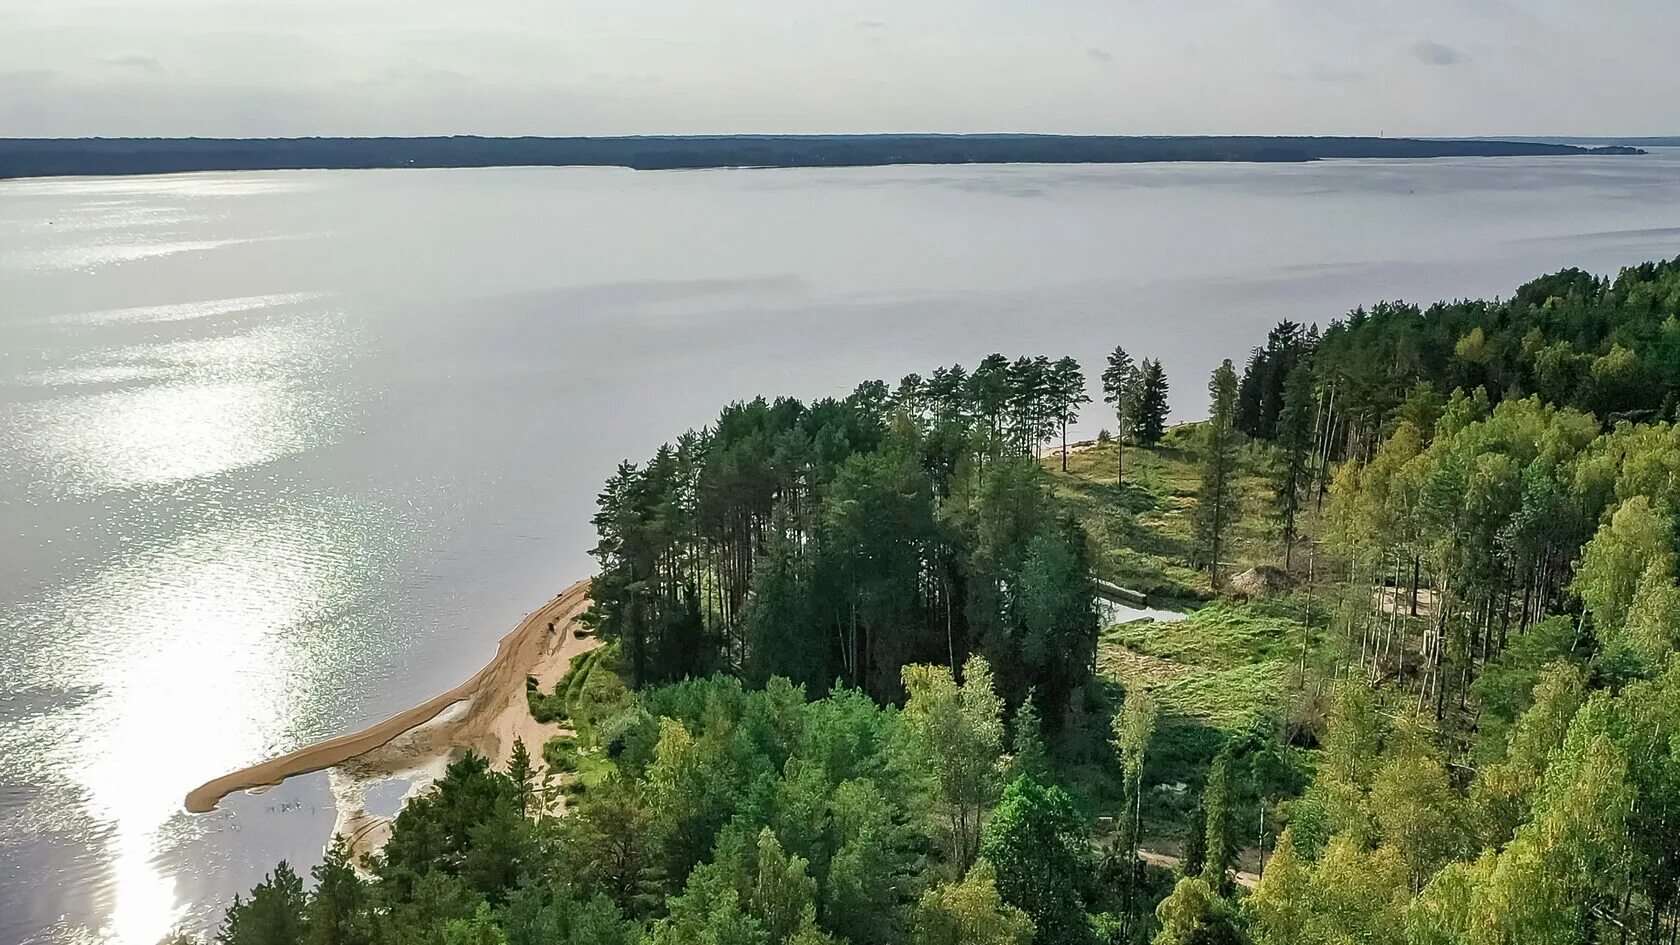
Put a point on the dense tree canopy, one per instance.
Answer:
(847, 539)
(848, 690)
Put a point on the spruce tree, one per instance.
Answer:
(1152, 404)
(523, 773)
(1217, 504)
(1218, 807)
(1251, 390)
(1295, 441)
(1028, 756)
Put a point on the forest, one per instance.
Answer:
(57, 157)
(862, 681)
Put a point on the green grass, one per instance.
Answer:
(1143, 532)
(1223, 673)
(1226, 667)
(1228, 670)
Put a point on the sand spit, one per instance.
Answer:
(484, 714)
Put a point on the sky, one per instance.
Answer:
(274, 68)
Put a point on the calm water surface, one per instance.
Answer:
(283, 453)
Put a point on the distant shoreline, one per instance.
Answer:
(83, 157)
(484, 714)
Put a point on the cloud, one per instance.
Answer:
(1319, 72)
(28, 76)
(1100, 55)
(137, 61)
(1435, 54)
(871, 25)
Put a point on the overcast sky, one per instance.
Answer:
(364, 67)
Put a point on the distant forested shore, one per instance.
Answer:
(61, 157)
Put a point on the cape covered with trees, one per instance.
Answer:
(857, 685)
(56, 157)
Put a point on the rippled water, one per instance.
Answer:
(283, 453)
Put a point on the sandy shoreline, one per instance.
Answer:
(484, 714)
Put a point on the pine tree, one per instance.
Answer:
(1152, 403)
(1067, 385)
(1122, 390)
(335, 913)
(273, 915)
(1195, 843)
(1217, 503)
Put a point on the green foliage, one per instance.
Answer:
(273, 915)
(336, 914)
(759, 817)
(1217, 503)
(1122, 384)
(1152, 403)
(962, 728)
(1196, 915)
(971, 913)
(560, 754)
(546, 707)
(845, 539)
(1037, 842)
(1262, 394)
(1478, 691)
(481, 929)
(1219, 822)
(1295, 429)
(1027, 756)
(1577, 340)
(1637, 538)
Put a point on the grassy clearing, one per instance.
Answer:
(1144, 532)
(1228, 670)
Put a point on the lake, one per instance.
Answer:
(284, 453)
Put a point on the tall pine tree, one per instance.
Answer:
(1122, 390)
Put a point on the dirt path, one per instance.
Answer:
(1169, 862)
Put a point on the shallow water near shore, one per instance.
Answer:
(282, 454)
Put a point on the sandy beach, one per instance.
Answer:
(485, 714)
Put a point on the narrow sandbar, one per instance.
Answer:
(492, 712)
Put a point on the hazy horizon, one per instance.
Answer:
(1548, 137)
(1435, 68)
